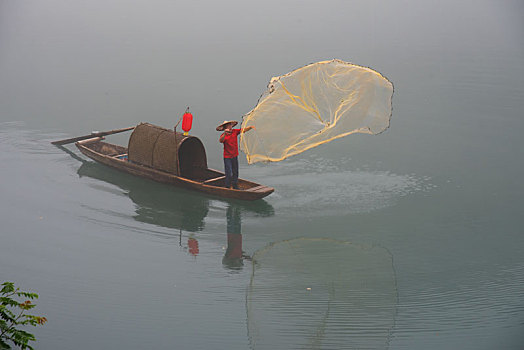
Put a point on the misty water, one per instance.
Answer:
(411, 239)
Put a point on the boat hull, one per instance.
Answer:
(208, 181)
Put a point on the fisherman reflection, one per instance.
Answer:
(234, 256)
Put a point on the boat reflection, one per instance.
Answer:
(156, 204)
(166, 206)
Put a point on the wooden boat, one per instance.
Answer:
(169, 157)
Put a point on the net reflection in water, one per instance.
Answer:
(321, 294)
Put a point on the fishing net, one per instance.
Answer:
(321, 294)
(313, 105)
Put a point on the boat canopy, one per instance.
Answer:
(161, 149)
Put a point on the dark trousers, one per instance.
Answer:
(231, 170)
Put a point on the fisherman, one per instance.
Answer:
(230, 140)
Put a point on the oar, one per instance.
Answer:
(94, 134)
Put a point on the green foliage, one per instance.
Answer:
(12, 315)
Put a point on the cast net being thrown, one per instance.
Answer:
(313, 105)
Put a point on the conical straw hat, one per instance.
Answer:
(221, 126)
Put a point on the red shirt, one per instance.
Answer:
(231, 144)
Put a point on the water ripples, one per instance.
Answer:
(321, 187)
(478, 304)
(45, 180)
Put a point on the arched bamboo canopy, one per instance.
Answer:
(162, 149)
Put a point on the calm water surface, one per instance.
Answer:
(412, 239)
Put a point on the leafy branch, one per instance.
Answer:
(13, 314)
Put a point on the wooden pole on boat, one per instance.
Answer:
(93, 134)
(176, 151)
(176, 145)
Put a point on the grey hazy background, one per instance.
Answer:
(440, 191)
